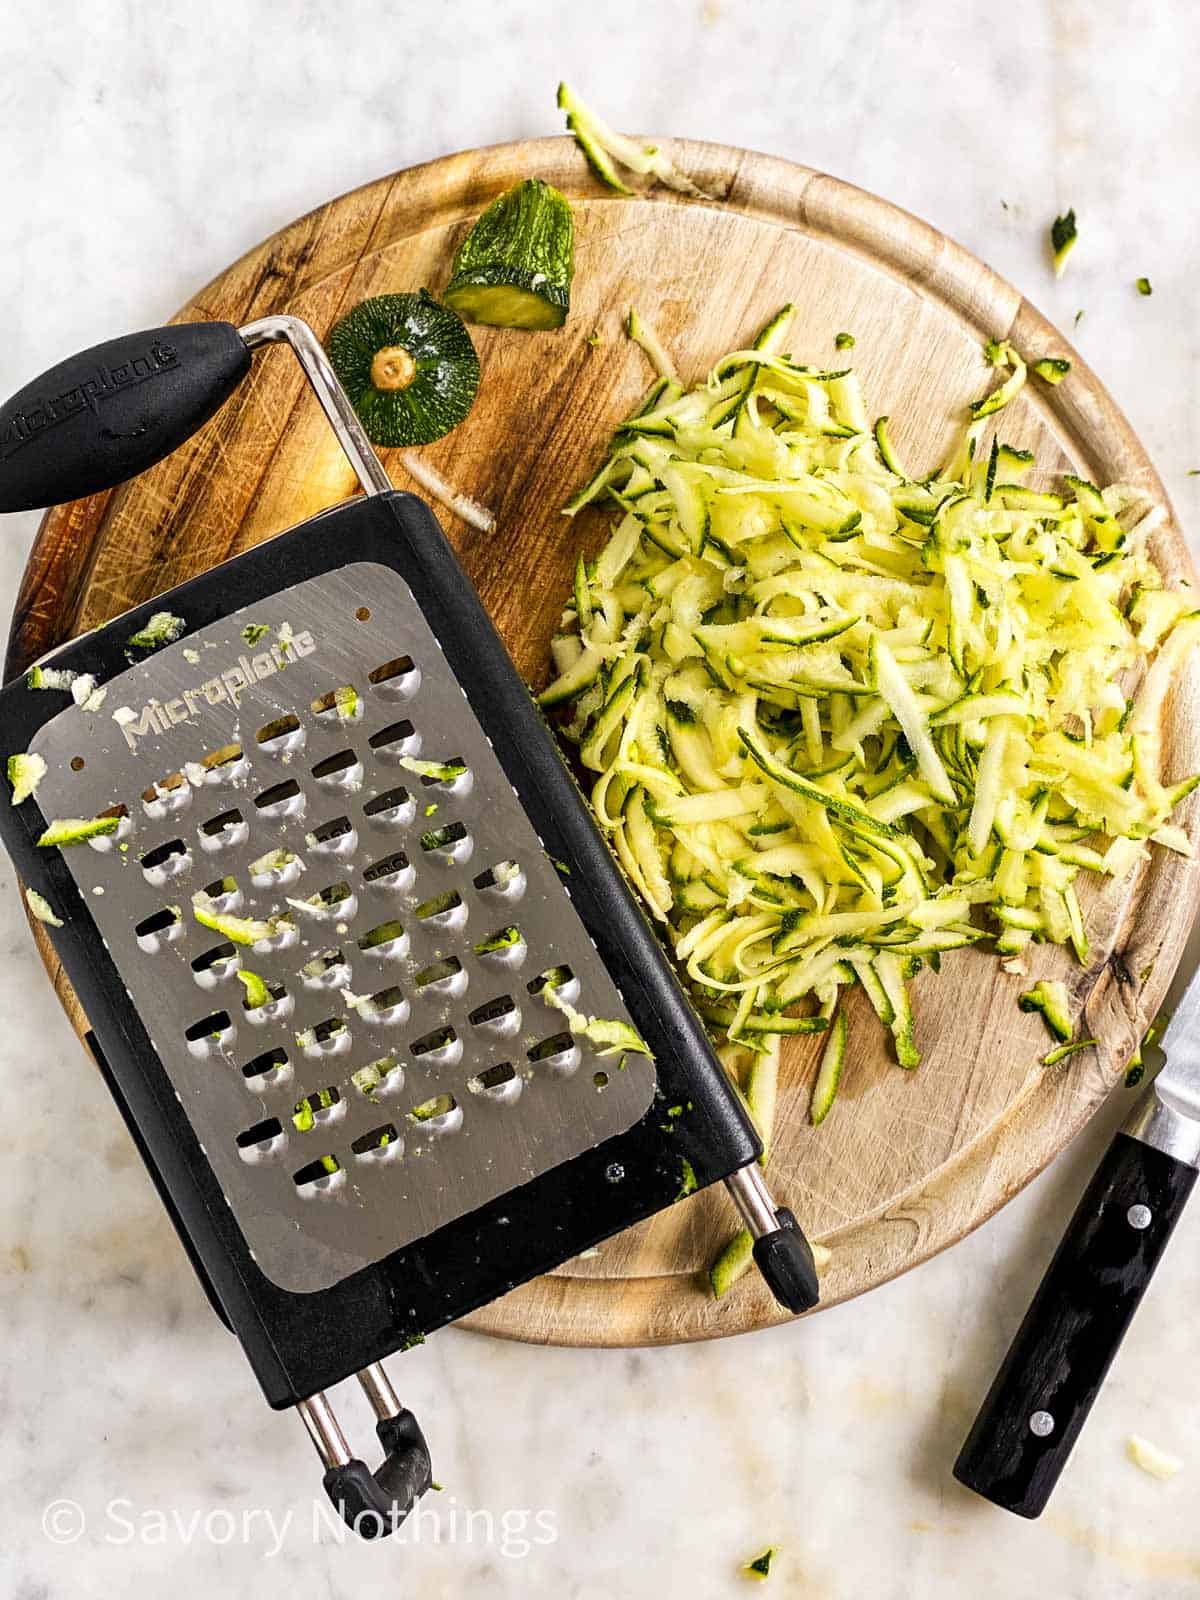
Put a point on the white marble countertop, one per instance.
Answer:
(143, 149)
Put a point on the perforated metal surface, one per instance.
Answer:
(381, 1002)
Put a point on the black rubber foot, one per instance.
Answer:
(785, 1260)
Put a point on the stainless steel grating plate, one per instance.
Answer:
(399, 1073)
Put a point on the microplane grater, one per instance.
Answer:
(445, 1021)
(370, 1105)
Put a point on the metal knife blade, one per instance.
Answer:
(1178, 1081)
(1168, 1114)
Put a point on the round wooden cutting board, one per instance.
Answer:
(906, 1163)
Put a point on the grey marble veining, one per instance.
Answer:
(145, 148)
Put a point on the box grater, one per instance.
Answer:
(348, 898)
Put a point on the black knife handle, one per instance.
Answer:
(110, 412)
(1052, 1373)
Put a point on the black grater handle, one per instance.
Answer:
(110, 412)
(375, 1503)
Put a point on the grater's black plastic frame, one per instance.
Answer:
(299, 1344)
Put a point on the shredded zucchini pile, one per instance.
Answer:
(842, 720)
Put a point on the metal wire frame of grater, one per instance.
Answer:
(389, 1027)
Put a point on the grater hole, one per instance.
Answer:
(557, 1044)
(560, 1053)
(224, 893)
(223, 765)
(453, 841)
(392, 872)
(277, 728)
(397, 679)
(336, 900)
(167, 920)
(507, 945)
(319, 1108)
(363, 614)
(104, 842)
(169, 794)
(278, 866)
(333, 838)
(384, 939)
(272, 1066)
(441, 1114)
(166, 861)
(167, 785)
(397, 740)
(277, 999)
(441, 1044)
(382, 1143)
(338, 705)
(77, 763)
(280, 734)
(386, 1005)
(447, 908)
(501, 1015)
(219, 962)
(499, 1083)
(329, 1037)
(218, 824)
(560, 979)
(327, 968)
(318, 1177)
(600, 1079)
(505, 880)
(224, 831)
(281, 800)
(382, 1077)
(162, 853)
(209, 1028)
(342, 770)
(394, 808)
(446, 975)
(259, 1140)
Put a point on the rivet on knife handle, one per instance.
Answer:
(1054, 1368)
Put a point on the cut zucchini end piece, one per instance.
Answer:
(498, 304)
(445, 372)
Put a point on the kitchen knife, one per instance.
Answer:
(1046, 1386)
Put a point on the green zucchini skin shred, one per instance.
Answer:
(514, 268)
(760, 1567)
(581, 124)
(829, 1074)
(1052, 369)
(734, 1261)
(1050, 998)
(445, 370)
(1064, 233)
(606, 150)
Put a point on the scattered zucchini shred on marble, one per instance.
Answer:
(760, 1567)
(607, 151)
(843, 717)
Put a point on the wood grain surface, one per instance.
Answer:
(907, 1162)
